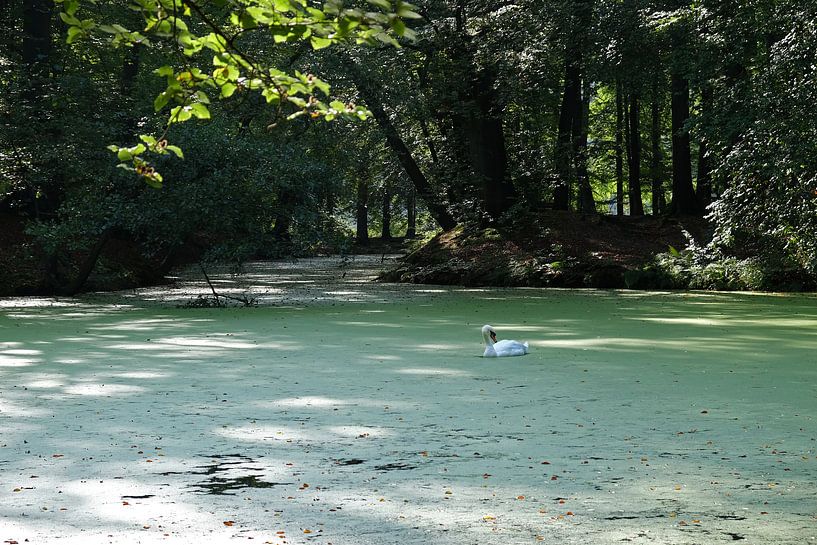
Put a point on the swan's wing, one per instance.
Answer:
(511, 348)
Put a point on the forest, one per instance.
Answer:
(540, 139)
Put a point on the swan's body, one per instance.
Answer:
(494, 349)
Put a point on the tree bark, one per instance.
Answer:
(683, 194)
(362, 210)
(37, 33)
(411, 214)
(619, 150)
(634, 178)
(587, 203)
(433, 202)
(570, 114)
(87, 266)
(570, 110)
(385, 232)
(703, 189)
(658, 201)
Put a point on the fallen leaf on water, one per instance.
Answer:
(520, 497)
(546, 463)
(229, 522)
(125, 503)
(307, 531)
(57, 455)
(486, 475)
(423, 453)
(677, 487)
(696, 521)
(553, 478)
(488, 517)
(569, 513)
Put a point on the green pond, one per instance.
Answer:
(345, 412)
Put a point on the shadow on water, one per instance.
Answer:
(218, 481)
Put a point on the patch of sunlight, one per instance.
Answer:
(426, 290)
(371, 324)
(262, 434)
(205, 342)
(46, 383)
(438, 346)
(373, 311)
(382, 357)
(102, 501)
(347, 292)
(318, 401)
(430, 371)
(16, 361)
(140, 374)
(22, 352)
(12, 409)
(614, 343)
(360, 431)
(102, 390)
(763, 322)
(144, 324)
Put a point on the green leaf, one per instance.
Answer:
(161, 101)
(385, 5)
(74, 33)
(177, 150)
(124, 155)
(69, 19)
(200, 110)
(228, 89)
(320, 43)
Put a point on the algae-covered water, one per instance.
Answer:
(348, 413)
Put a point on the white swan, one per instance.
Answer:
(494, 349)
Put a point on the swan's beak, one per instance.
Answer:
(493, 336)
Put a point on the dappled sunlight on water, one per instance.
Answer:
(363, 413)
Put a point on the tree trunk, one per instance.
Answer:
(619, 150)
(37, 33)
(657, 188)
(587, 203)
(570, 110)
(362, 209)
(385, 232)
(683, 194)
(87, 266)
(411, 214)
(569, 131)
(433, 202)
(704, 185)
(634, 179)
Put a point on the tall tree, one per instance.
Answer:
(683, 193)
(580, 13)
(634, 177)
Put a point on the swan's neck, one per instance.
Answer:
(486, 337)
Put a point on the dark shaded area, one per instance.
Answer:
(215, 483)
(562, 249)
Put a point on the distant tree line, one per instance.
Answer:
(486, 110)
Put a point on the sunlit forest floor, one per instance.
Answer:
(347, 412)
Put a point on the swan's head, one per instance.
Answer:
(489, 333)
